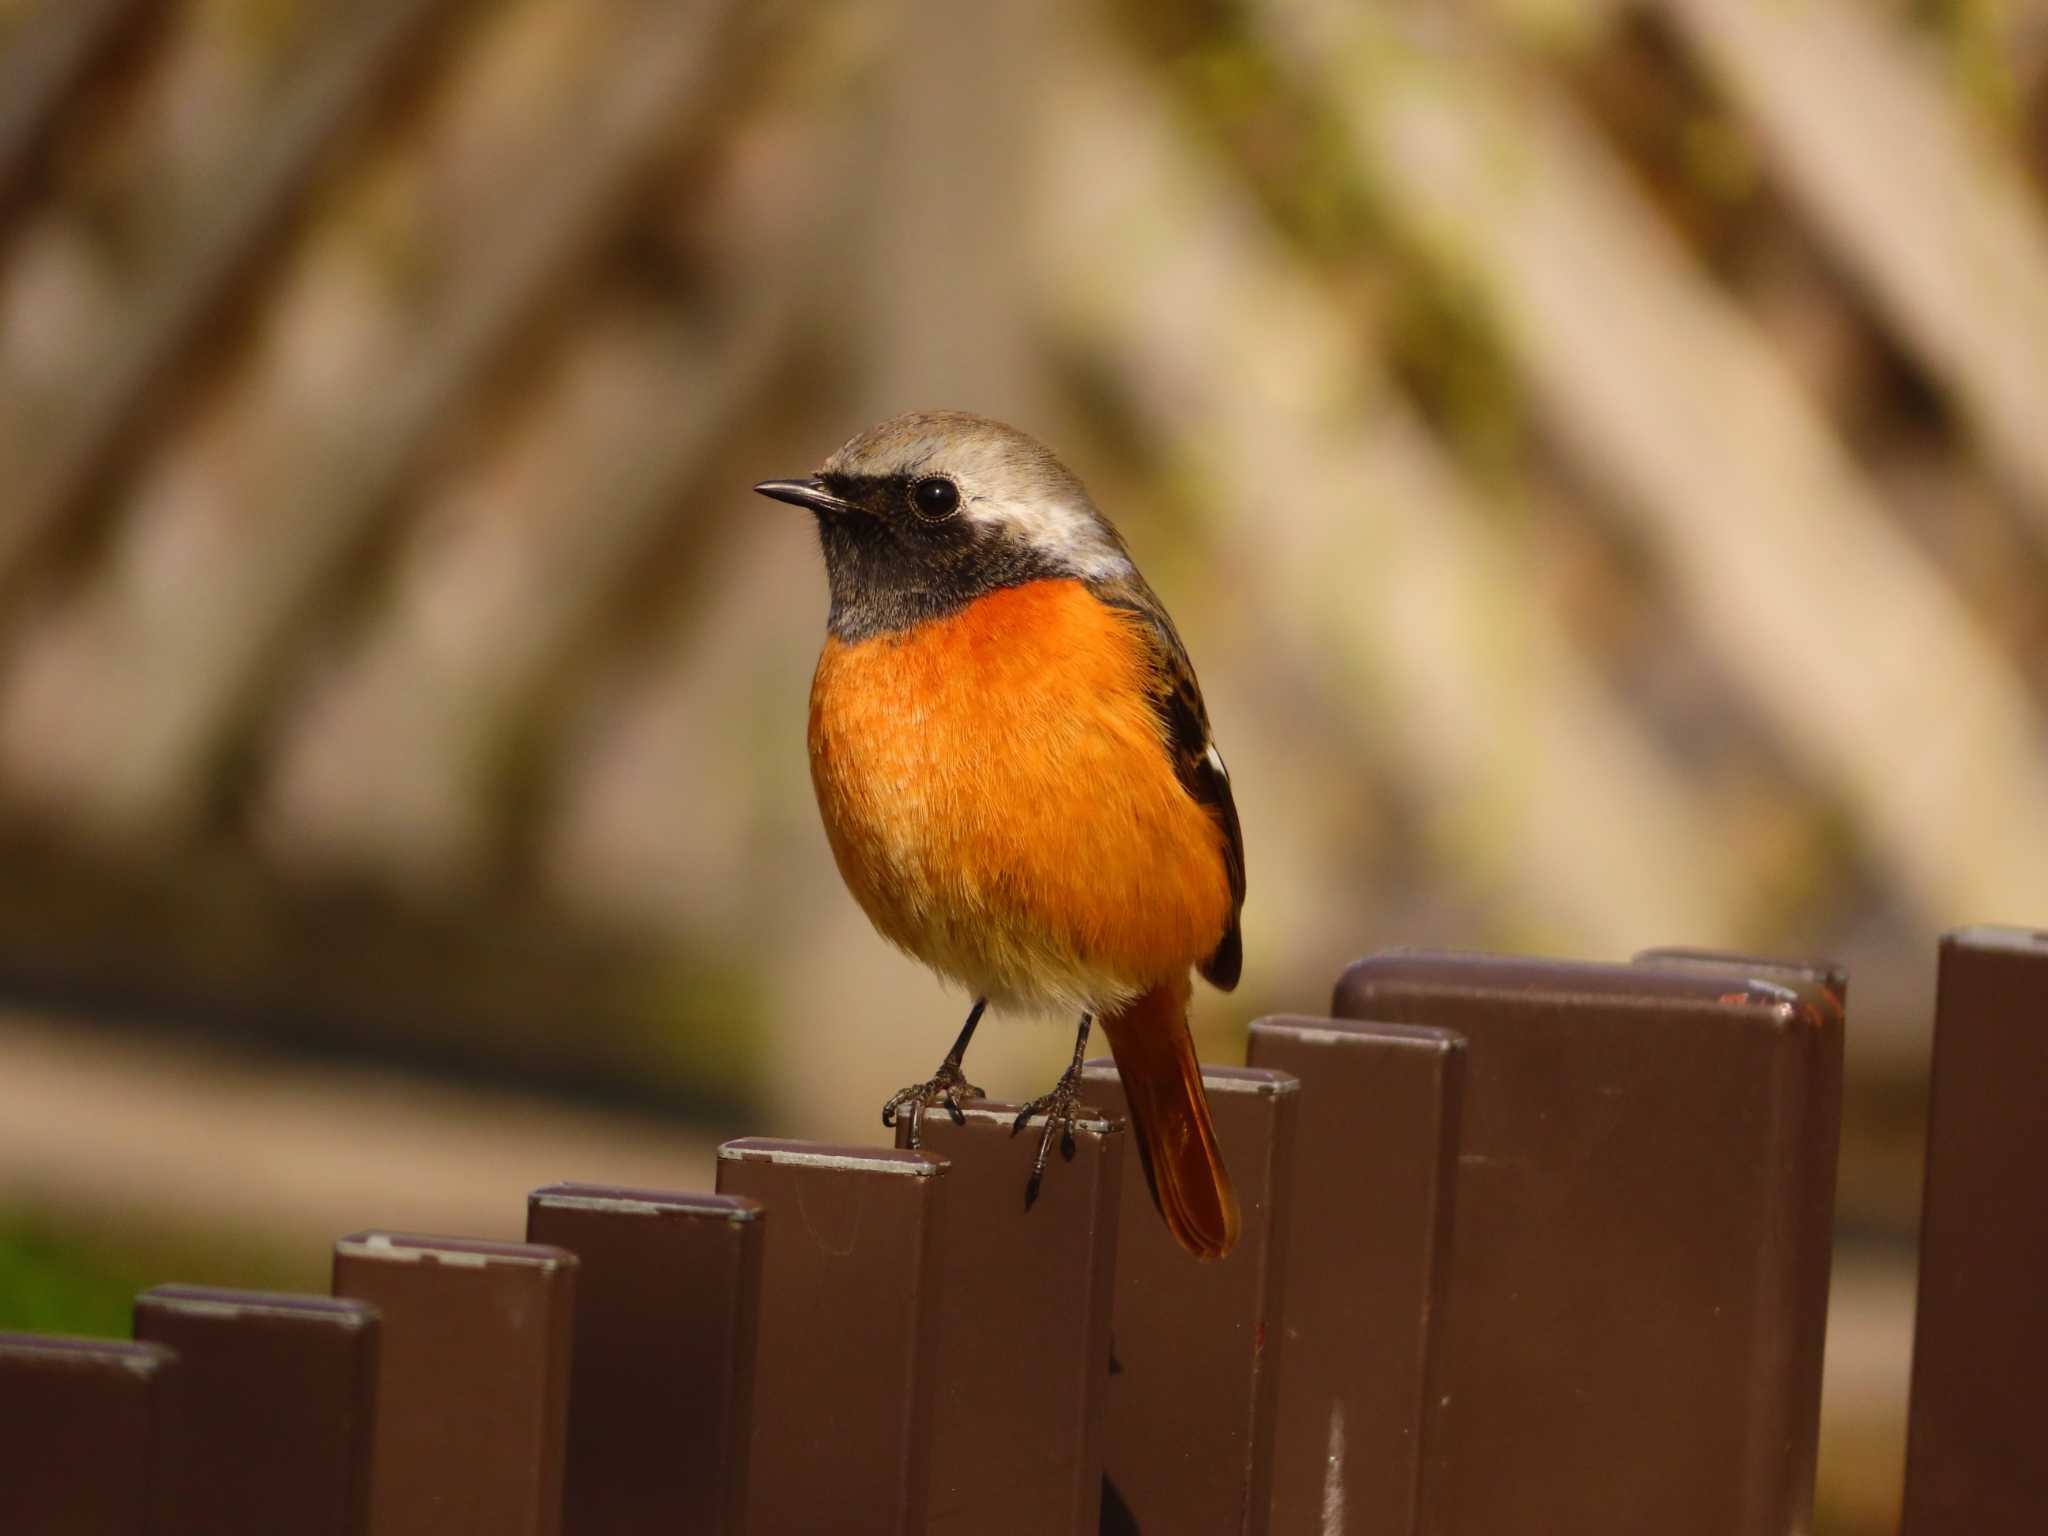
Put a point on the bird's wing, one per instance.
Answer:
(1184, 726)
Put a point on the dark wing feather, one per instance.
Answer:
(1184, 725)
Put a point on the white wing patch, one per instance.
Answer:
(1215, 760)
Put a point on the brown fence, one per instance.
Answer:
(1529, 1245)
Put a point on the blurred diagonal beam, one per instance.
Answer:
(241, 225)
(51, 55)
(229, 641)
(398, 765)
(1379, 568)
(1932, 212)
(1869, 668)
(394, 766)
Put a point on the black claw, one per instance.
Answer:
(945, 1088)
(1059, 1108)
(1044, 1146)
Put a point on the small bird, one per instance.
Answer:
(1013, 763)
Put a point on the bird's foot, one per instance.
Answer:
(947, 1088)
(1059, 1108)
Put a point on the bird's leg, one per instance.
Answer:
(1059, 1108)
(941, 1087)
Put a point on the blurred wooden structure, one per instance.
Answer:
(1602, 456)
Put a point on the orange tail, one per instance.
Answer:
(1155, 1057)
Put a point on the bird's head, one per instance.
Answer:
(921, 515)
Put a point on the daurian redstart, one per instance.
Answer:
(1013, 762)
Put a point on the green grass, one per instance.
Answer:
(51, 1285)
(57, 1280)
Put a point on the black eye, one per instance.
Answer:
(935, 497)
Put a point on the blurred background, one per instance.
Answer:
(1597, 455)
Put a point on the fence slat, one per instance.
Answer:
(844, 1371)
(1024, 1308)
(1823, 987)
(473, 1388)
(1188, 1437)
(1980, 1347)
(268, 1419)
(79, 1430)
(667, 1293)
(1375, 1164)
(1626, 1345)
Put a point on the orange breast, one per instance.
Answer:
(1000, 803)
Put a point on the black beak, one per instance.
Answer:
(809, 493)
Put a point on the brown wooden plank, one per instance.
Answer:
(473, 1391)
(1974, 1458)
(667, 1298)
(1024, 1301)
(269, 1417)
(845, 1372)
(1375, 1165)
(1823, 988)
(1627, 1338)
(80, 1426)
(1189, 1431)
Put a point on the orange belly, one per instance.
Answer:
(1000, 802)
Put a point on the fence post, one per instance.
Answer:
(1194, 1344)
(81, 1421)
(473, 1386)
(667, 1291)
(1375, 1166)
(1633, 1242)
(844, 1370)
(1024, 1314)
(1823, 988)
(1974, 1455)
(268, 1421)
